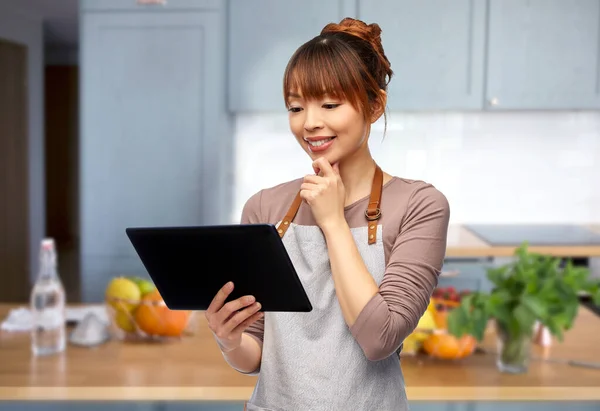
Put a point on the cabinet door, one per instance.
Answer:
(158, 6)
(263, 35)
(543, 54)
(151, 136)
(470, 275)
(436, 49)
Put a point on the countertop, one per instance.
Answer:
(193, 369)
(464, 243)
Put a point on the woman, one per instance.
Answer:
(368, 246)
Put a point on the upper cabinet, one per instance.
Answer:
(263, 35)
(155, 145)
(446, 55)
(149, 5)
(543, 54)
(436, 49)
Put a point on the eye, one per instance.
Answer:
(330, 106)
(294, 109)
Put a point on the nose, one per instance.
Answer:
(312, 120)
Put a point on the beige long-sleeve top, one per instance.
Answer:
(415, 218)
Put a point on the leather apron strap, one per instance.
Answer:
(372, 213)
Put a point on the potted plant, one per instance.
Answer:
(532, 288)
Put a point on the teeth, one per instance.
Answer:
(319, 142)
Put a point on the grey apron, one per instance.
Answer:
(311, 361)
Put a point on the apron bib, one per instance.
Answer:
(311, 361)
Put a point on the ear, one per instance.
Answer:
(378, 106)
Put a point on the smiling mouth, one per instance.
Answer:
(317, 142)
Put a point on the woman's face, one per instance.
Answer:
(327, 127)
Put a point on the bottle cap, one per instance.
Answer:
(48, 244)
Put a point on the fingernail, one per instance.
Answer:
(250, 299)
(258, 305)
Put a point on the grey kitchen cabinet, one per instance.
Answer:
(201, 406)
(460, 55)
(534, 406)
(78, 406)
(150, 6)
(471, 275)
(155, 138)
(263, 35)
(505, 406)
(436, 50)
(543, 54)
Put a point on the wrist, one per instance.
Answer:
(227, 348)
(332, 227)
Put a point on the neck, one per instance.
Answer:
(357, 175)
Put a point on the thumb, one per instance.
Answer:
(336, 168)
(323, 166)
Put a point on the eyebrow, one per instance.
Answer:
(295, 95)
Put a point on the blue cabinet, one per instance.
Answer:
(149, 6)
(459, 55)
(263, 35)
(436, 50)
(466, 275)
(155, 138)
(543, 54)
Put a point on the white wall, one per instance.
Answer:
(521, 167)
(27, 30)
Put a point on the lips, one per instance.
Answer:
(319, 143)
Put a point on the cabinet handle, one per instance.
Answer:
(494, 101)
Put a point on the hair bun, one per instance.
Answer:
(368, 32)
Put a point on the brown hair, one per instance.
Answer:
(345, 61)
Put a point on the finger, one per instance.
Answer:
(232, 306)
(307, 195)
(309, 186)
(323, 165)
(239, 317)
(314, 179)
(247, 323)
(317, 165)
(219, 298)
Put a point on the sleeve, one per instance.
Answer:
(251, 214)
(411, 275)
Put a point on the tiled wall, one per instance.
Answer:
(493, 167)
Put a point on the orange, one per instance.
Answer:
(441, 319)
(448, 347)
(441, 311)
(155, 318)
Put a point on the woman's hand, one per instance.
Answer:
(325, 193)
(229, 321)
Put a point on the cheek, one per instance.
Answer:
(296, 126)
(352, 127)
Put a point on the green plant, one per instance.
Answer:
(532, 288)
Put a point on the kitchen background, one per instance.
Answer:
(144, 113)
(119, 113)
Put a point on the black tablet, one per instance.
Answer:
(189, 265)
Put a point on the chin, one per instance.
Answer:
(330, 157)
